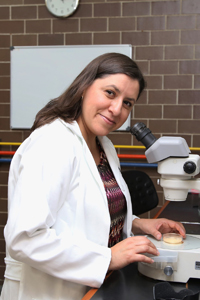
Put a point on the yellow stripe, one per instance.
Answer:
(12, 144)
(129, 147)
(116, 146)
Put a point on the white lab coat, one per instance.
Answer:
(58, 219)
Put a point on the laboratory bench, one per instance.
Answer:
(128, 283)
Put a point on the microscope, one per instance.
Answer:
(176, 165)
(178, 168)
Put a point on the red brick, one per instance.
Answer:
(143, 98)
(124, 138)
(2, 247)
(162, 126)
(148, 111)
(198, 21)
(163, 67)
(196, 141)
(4, 13)
(4, 55)
(177, 112)
(4, 41)
(10, 2)
(151, 23)
(78, 39)
(197, 81)
(179, 52)
(107, 9)
(154, 82)
(163, 8)
(162, 97)
(197, 51)
(4, 124)
(2, 256)
(11, 137)
(5, 82)
(190, 36)
(4, 110)
(33, 2)
(3, 204)
(190, 67)
(4, 195)
(51, 39)
(11, 26)
(196, 113)
(144, 67)
(107, 38)
(94, 1)
(164, 37)
(136, 38)
(121, 24)
(177, 81)
(4, 69)
(5, 167)
(43, 12)
(83, 11)
(24, 40)
(4, 177)
(181, 22)
(189, 97)
(152, 52)
(38, 26)
(94, 24)
(135, 8)
(190, 7)
(189, 126)
(4, 96)
(23, 12)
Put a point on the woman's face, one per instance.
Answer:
(107, 104)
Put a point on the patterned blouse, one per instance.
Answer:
(116, 200)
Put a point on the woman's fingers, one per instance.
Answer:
(131, 250)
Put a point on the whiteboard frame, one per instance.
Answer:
(38, 75)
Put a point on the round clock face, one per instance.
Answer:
(62, 8)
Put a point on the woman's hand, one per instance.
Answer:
(131, 250)
(156, 227)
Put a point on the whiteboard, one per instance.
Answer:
(42, 73)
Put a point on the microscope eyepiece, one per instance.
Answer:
(142, 134)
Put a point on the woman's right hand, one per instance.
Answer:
(131, 250)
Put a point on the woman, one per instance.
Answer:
(70, 217)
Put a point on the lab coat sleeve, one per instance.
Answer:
(39, 182)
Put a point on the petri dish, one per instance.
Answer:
(172, 238)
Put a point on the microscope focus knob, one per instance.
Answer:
(168, 270)
(189, 167)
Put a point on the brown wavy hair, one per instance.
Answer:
(68, 106)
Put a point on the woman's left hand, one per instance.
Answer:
(156, 227)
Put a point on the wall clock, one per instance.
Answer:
(62, 8)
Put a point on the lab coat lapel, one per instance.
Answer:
(93, 169)
(106, 144)
(74, 127)
(115, 166)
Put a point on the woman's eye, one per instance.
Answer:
(128, 103)
(110, 93)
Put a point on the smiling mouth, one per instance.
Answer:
(107, 120)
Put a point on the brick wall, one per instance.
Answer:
(165, 38)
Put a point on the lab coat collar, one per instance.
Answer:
(105, 142)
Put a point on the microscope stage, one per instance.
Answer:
(176, 262)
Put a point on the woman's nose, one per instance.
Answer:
(116, 107)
